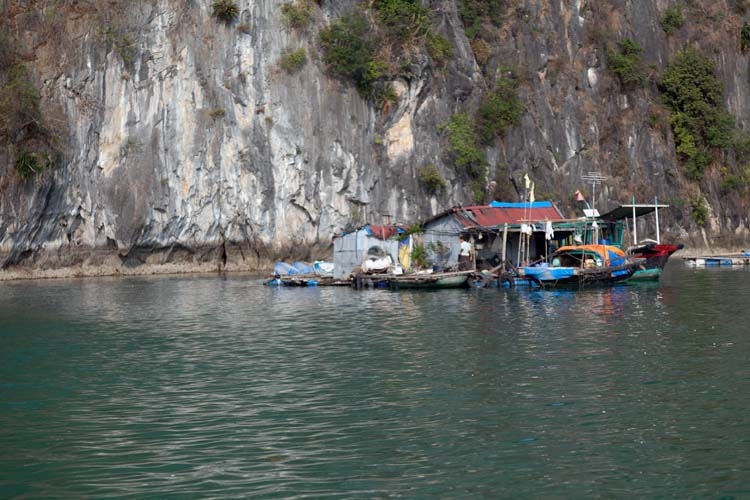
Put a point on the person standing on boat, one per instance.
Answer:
(464, 254)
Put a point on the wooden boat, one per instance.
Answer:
(430, 280)
(582, 266)
(502, 279)
(653, 254)
(654, 257)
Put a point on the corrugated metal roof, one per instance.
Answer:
(487, 216)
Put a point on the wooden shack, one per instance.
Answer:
(500, 231)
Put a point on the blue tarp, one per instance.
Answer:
(615, 259)
(284, 269)
(302, 268)
(536, 204)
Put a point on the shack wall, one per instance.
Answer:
(349, 251)
(444, 231)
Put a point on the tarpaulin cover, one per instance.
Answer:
(302, 268)
(283, 269)
(383, 232)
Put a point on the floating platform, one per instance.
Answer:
(303, 280)
(741, 259)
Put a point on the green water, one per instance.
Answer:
(222, 388)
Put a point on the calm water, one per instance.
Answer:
(222, 388)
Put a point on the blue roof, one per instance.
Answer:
(536, 204)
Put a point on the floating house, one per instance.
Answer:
(514, 232)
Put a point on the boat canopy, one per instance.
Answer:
(625, 211)
(609, 255)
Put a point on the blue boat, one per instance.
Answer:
(581, 266)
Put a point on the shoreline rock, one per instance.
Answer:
(102, 262)
(96, 265)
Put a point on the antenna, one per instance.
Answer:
(594, 178)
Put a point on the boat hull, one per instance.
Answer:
(569, 277)
(652, 258)
(647, 274)
(430, 281)
(654, 255)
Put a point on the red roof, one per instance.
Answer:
(487, 216)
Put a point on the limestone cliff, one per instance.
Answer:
(182, 140)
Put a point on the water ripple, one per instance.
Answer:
(221, 388)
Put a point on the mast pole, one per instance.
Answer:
(505, 240)
(635, 236)
(656, 208)
(520, 244)
(595, 178)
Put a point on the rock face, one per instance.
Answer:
(186, 143)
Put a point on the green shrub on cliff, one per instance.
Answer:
(349, 50)
(698, 209)
(29, 163)
(465, 133)
(438, 47)
(297, 15)
(626, 63)
(225, 10)
(369, 46)
(699, 120)
(293, 60)
(463, 145)
(404, 19)
(735, 182)
(672, 19)
(19, 101)
(24, 130)
(430, 179)
(477, 15)
(500, 110)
